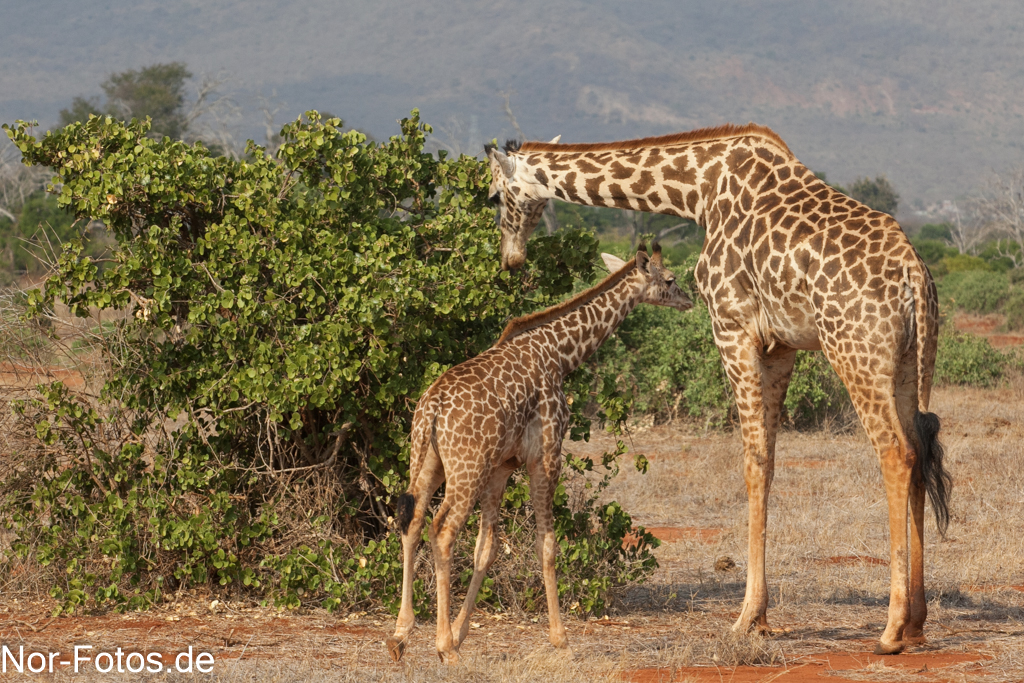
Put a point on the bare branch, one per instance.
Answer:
(213, 116)
(999, 211)
(512, 117)
(273, 138)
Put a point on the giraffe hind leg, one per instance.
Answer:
(412, 511)
(460, 497)
(929, 478)
(886, 402)
(486, 546)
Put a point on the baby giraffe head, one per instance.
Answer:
(516, 201)
(661, 289)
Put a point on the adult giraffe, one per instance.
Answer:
(788, 263)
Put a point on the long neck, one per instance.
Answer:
(680, 179)
(573, 337)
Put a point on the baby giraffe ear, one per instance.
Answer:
(614, 263)
(642, 261)
(555, 139)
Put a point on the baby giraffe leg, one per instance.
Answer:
(422, 490)
(459, 499)
(543, 480)
(486, 546)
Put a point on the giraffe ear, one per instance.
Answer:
(555, 139)
(506, 164)
(614, 263)
(642, 261)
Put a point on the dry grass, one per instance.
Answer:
(827, 573)
(827, 556)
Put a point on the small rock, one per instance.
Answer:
(724, 564)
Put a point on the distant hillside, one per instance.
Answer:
(929, 93)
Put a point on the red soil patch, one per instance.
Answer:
(808, 668)
(985, 326)
(671, 534)
(846, 560)
(23, 376)
(1004, 340)
(981, 326)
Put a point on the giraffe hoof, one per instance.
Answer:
(914, 635)
(396, 648)
(450, 658)
(758, 625)
(890, 649)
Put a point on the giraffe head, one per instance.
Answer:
(662, 289)
(520, 208)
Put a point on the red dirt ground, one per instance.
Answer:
(256, 633)
(25, 376)
(671, 534)
(807, 668)
(986, 326)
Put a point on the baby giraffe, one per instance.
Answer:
(505, 408)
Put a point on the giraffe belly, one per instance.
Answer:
(792, 326)
(531, 445)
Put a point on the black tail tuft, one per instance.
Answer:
(404, 508)
(937, 481)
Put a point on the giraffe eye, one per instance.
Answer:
(495, 199)
(669, 281)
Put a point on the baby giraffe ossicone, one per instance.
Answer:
(501, 410)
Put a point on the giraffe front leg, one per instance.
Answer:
(758, 474)
(759, 381)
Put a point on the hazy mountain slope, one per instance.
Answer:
(931, 93)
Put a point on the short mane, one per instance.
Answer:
(727, 130)
(517, 326)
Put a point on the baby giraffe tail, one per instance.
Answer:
(404, 509)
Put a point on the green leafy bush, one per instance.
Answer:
(1014, 309)
(934, 251)
(287, 313)
(968, 360)
(958, 263)
(816, 395)
(669, 363)
(975, 291)
(940, 232)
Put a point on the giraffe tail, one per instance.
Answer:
(937, 481)
(404, 509)
(424, 433)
